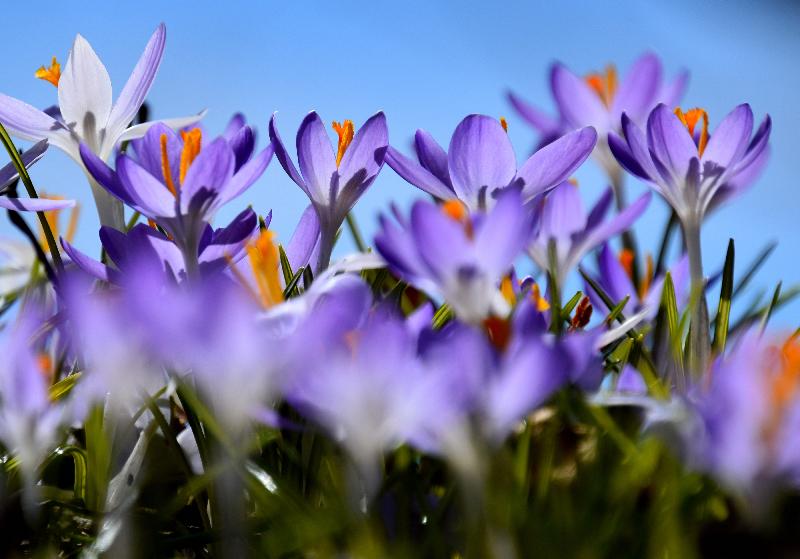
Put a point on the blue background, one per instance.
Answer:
(427, 65)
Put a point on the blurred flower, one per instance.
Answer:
(481, 160)
(598, 100)
(333, 183)
(9, 174)
(460, 256)
(615, 277)
(563, 223)
(85, 113)
(178, 182)
(749, 412)
(28, 419)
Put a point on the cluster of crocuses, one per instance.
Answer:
(436, 339)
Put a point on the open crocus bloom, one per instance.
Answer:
(563, 223)
(333, 182)
(481, 160)
(693, 170)
(448, 252)
(599, 99)
(178, 182)
(87, 114)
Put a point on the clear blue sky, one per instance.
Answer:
(427, 64)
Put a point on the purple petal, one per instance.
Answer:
(432, 157)
(139, 83)
(34, 204)
(417, 175)
(731, 137)
(480, 156)
(555, 162)
(364, 157)
(247, 175)
(106, 177)
(504, 233)
(9, 174)
(622, 152)
(441, 241)
(147, 193)
(115, 244)
(637, 92)
(544, 123)
(304, 240)
(235, 124)
(25, 121)
(88, 265)
(600, 208)
(631, 381)
(283, 156)
(613, 278)
(209, 173)
(315, 158)
(243, 143)
(577, 102)
(230, 241)
(672, 92)
(563, 212)
(669, 139)
(617, 224)
(148, 152)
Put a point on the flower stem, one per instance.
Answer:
(698, 340)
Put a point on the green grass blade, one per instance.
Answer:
(724, 308)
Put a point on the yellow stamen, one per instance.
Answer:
(507, 290)
(263, 256)
(541, 303)
(346, 132)
(165, 170)
(647, 280)
(192, 143)
(504, 123)
(690, 119)
(51, 74)
(605, 84)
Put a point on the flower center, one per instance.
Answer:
(604, 84)
(346, 132)
(690, 119)
(265, 263)
(192, 143)
(51, 74)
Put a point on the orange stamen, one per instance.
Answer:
(455, 210)
(346, 132)
(504, 123)
(263, 256)
(647, 280)
(605, 85)
(165, 170)
(626, 261)
(192, 143)
(51, 74)
(507, 290)
(690, 119)
(541, 303)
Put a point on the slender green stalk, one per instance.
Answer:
(700, 348)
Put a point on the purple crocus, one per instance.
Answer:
(481, 160)
(333, 181)
(749, 414)
(85, 112)
(456, 255)
(598, 100)
(563, 224)
(142, 244)
(178, 182)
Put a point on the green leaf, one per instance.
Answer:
(570, 306)
(669, 305)
(617, 310)
(724, 308)
(356, 233)
(286, 268)
(754, 267)
(292, 284)
(63, 387)
(768, 311)
(442, 316)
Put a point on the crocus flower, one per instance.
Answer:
(86, 114)
(178, 182)
(333, 181)
(614, 276)
(459, 256)
(28, 419)
(749, 412)
(563, 223)
(695, 172)
(481, 160)
(598, 100)
(217, 249)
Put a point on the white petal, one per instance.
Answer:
(139, 130)
(84, 92)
